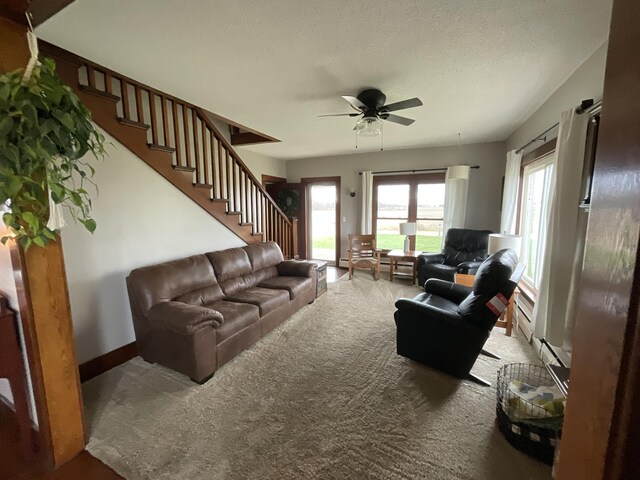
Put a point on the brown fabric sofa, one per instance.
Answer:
(195, 314)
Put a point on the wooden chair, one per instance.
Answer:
(363, 254)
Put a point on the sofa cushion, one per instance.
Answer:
(237, 317)
(263, 255)
(266, 299)
(189, 280)
(231, 267)
(294, 285)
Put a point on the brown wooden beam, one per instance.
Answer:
(106, 362)
(248, 138)
(43, 301)
(42, 10)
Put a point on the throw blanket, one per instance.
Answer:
(529, 404)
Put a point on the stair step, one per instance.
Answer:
(180, 168)
(203, 185)
(219, 200)
(256, 234)
(245, 224)
(99, 93)
(234, 213)
(162, 148)
(133, 123)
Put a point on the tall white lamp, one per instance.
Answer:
(500, 241)
(407, 229)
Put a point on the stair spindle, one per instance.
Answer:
(165, 121)
(187, 139)
(207, 155)
(108, 82)
(220, 169)
(176, 132)
(91, 76)
(229, 176)
(196, 145)
(138, 96)
(126, 108)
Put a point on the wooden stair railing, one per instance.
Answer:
(182, 144)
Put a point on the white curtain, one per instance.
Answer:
(366, 212)
(456, 187)
(554, 313)
(510, 193)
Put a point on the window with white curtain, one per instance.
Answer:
(536, 179)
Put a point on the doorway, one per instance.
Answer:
(323, 218)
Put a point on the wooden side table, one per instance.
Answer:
(400, 255)
(321, 272)
(506, 318)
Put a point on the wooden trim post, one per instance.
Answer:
(45, 314)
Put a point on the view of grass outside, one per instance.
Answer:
(323, 222)
(388, 242)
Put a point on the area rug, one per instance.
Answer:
(324, 396)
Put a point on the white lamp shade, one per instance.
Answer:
(499, 241)
(458, 172)
(408, 228)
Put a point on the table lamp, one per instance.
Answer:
(407, 229)
(500, 241)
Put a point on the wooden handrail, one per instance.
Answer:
(196, 151)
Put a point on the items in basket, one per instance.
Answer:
(522, 398)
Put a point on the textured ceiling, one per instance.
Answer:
(480, 67)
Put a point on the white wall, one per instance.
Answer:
(261, 164)
(586, 82)
(142, 219)
(483, 207)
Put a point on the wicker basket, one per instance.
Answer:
(528, 427)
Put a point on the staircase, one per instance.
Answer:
(180, 142)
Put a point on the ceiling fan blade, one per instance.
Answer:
(410, 103)
(354, 102)
(341, 115)
(398, 119)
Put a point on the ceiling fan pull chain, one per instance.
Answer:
(356, 134)
(382, 137)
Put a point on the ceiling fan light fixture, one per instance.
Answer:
(369, 127)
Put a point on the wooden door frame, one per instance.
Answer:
(308, 182)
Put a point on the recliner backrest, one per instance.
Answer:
(493, 286)
(465, 245)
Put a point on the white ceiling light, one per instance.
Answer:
(369, 127)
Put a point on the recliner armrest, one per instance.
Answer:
(449, 290)
(296, 268)
(183, 318)
(469, 268)
(429, 311)
(430, 258)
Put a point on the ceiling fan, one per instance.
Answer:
(370, 105)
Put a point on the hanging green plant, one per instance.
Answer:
(45, 133)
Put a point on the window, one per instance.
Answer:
(536, 179)
(409, 198)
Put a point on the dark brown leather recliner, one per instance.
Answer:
(195, 314)
(447, 326)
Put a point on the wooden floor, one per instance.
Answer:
(14, 465)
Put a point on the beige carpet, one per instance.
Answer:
(324, 396)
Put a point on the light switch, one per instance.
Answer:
(344, 219)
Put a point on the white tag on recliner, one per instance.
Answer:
(498, 304)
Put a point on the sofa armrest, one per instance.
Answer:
(183, 318)
(469, 268)
(296, 268)
(429, 312)
(429, 258)
(449, 290)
